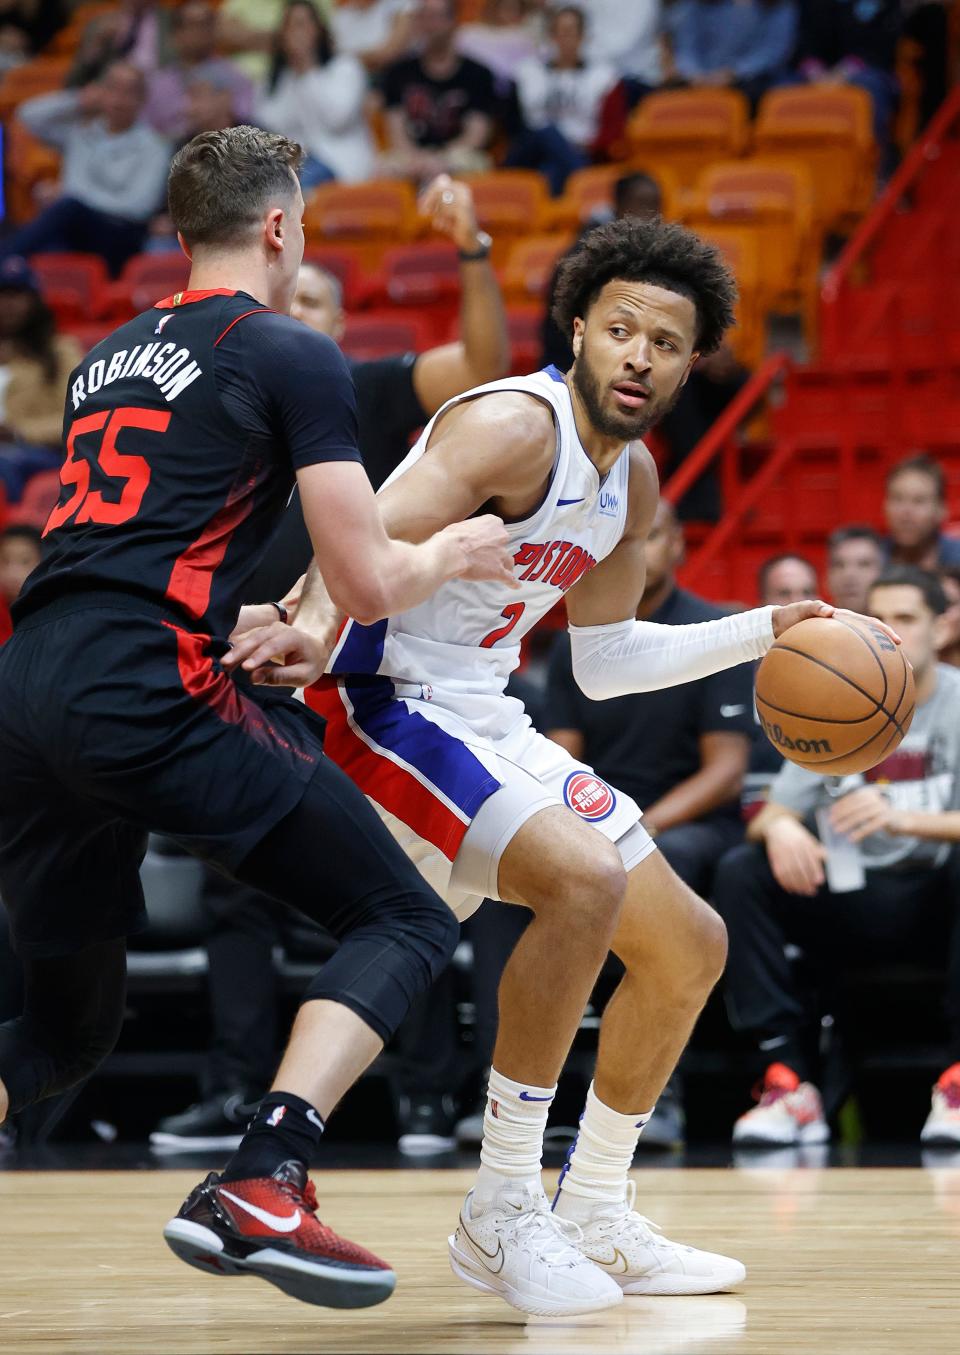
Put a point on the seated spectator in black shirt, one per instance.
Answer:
(887, 889)
(439, 105)
(716, 379)
(915, 509)
(681, 752)
(855, 558)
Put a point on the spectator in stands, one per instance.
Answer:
(855, 558)
(132, 32)
(784, 887)
(507, 33)
(317, 98)
(786, 578)
(19, 557)
(193, 37)
(114, 169)
(396, 395)
(948, 640)
(377, 32)
(634, 195)
(844, 42)
(743, 44)
(716, 379)
(915, 509)
(681, 753)
(439, 104)
(35, 364)
(629, 37)
(26, 26)
(246, 31)
(560, 99)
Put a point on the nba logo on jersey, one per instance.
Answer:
(276, 1115)
(588, 796)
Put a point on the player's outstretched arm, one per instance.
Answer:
(614, 654)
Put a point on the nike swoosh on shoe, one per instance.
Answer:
(283, 1223)
(482, 1251)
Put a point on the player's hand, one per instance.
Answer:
(278, 655)
(785, 617)
(449, 205)
(796, 857)
(484, 549)
(253, 616)
(863, 812)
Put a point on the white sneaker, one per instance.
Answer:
(528, 1256)
(942, 1127)
(635, 1254)
(790, 1112)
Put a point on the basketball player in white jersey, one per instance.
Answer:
(487, 806)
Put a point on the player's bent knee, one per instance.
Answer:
(591, 892)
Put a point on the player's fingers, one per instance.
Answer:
(871, 621)
(260, 646)
(285, 675)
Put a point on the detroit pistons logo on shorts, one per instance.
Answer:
(588, 796)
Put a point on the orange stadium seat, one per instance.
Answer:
(775, 198)
(829, 128)
(346, 267)
(530, 266)
(689, 129)
(82, 277)
(510, 202)
(41, 76)
(422, 274)
(89, 335)
(146, 279)
(28, 162)
(371, 216)
(589, 191)
(741, 248)
(381, 333)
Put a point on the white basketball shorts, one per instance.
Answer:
(453, 796)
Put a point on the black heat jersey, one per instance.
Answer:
(182, 434)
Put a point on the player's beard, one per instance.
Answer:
(613, 423)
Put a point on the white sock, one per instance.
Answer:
(513, 1125)
(596, 1170)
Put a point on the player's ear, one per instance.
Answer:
(274, 229)
(577, 342)
(184, 246)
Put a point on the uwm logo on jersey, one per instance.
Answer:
(559, 563)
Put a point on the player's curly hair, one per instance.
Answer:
(655, 251)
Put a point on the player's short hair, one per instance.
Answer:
(763, 573)
(221, 182)
(922, 464)
(912, 576)
(655, 251)
(857, 531)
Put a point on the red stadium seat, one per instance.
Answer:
(147, 279)
(345, 267)
(39, 495)
(382, 333)
(73, 280)
(525, 325)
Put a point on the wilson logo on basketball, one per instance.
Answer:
(588, 796)
(776, 735)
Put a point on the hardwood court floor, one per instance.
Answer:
(858, 1261)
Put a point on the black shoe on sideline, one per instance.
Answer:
(217, 1122)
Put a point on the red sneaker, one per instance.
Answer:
(790, 1112)
(942, 1128)
(268, 1227)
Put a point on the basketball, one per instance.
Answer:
(835, 695)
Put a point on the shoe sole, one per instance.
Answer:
(940, 1138)
(309, 1281)
(818, 1132)
(470, 1271)
(675, 1285)
(186, 1143)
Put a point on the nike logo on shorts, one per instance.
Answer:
(282, 1223)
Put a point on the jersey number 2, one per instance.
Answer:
(134, 471)
(511, 615)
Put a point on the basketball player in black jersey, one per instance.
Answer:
(184, 431)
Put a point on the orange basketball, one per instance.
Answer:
(835, 695)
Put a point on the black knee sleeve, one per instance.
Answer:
(385, 962)
(72, 1015)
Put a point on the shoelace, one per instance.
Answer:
(650, 1232)
(552, 1238)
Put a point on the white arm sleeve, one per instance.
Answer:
(642, 656)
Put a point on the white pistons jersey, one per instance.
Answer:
(466, 637)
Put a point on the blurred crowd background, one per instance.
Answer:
(815, 142)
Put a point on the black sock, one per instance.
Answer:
(284, 1127)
